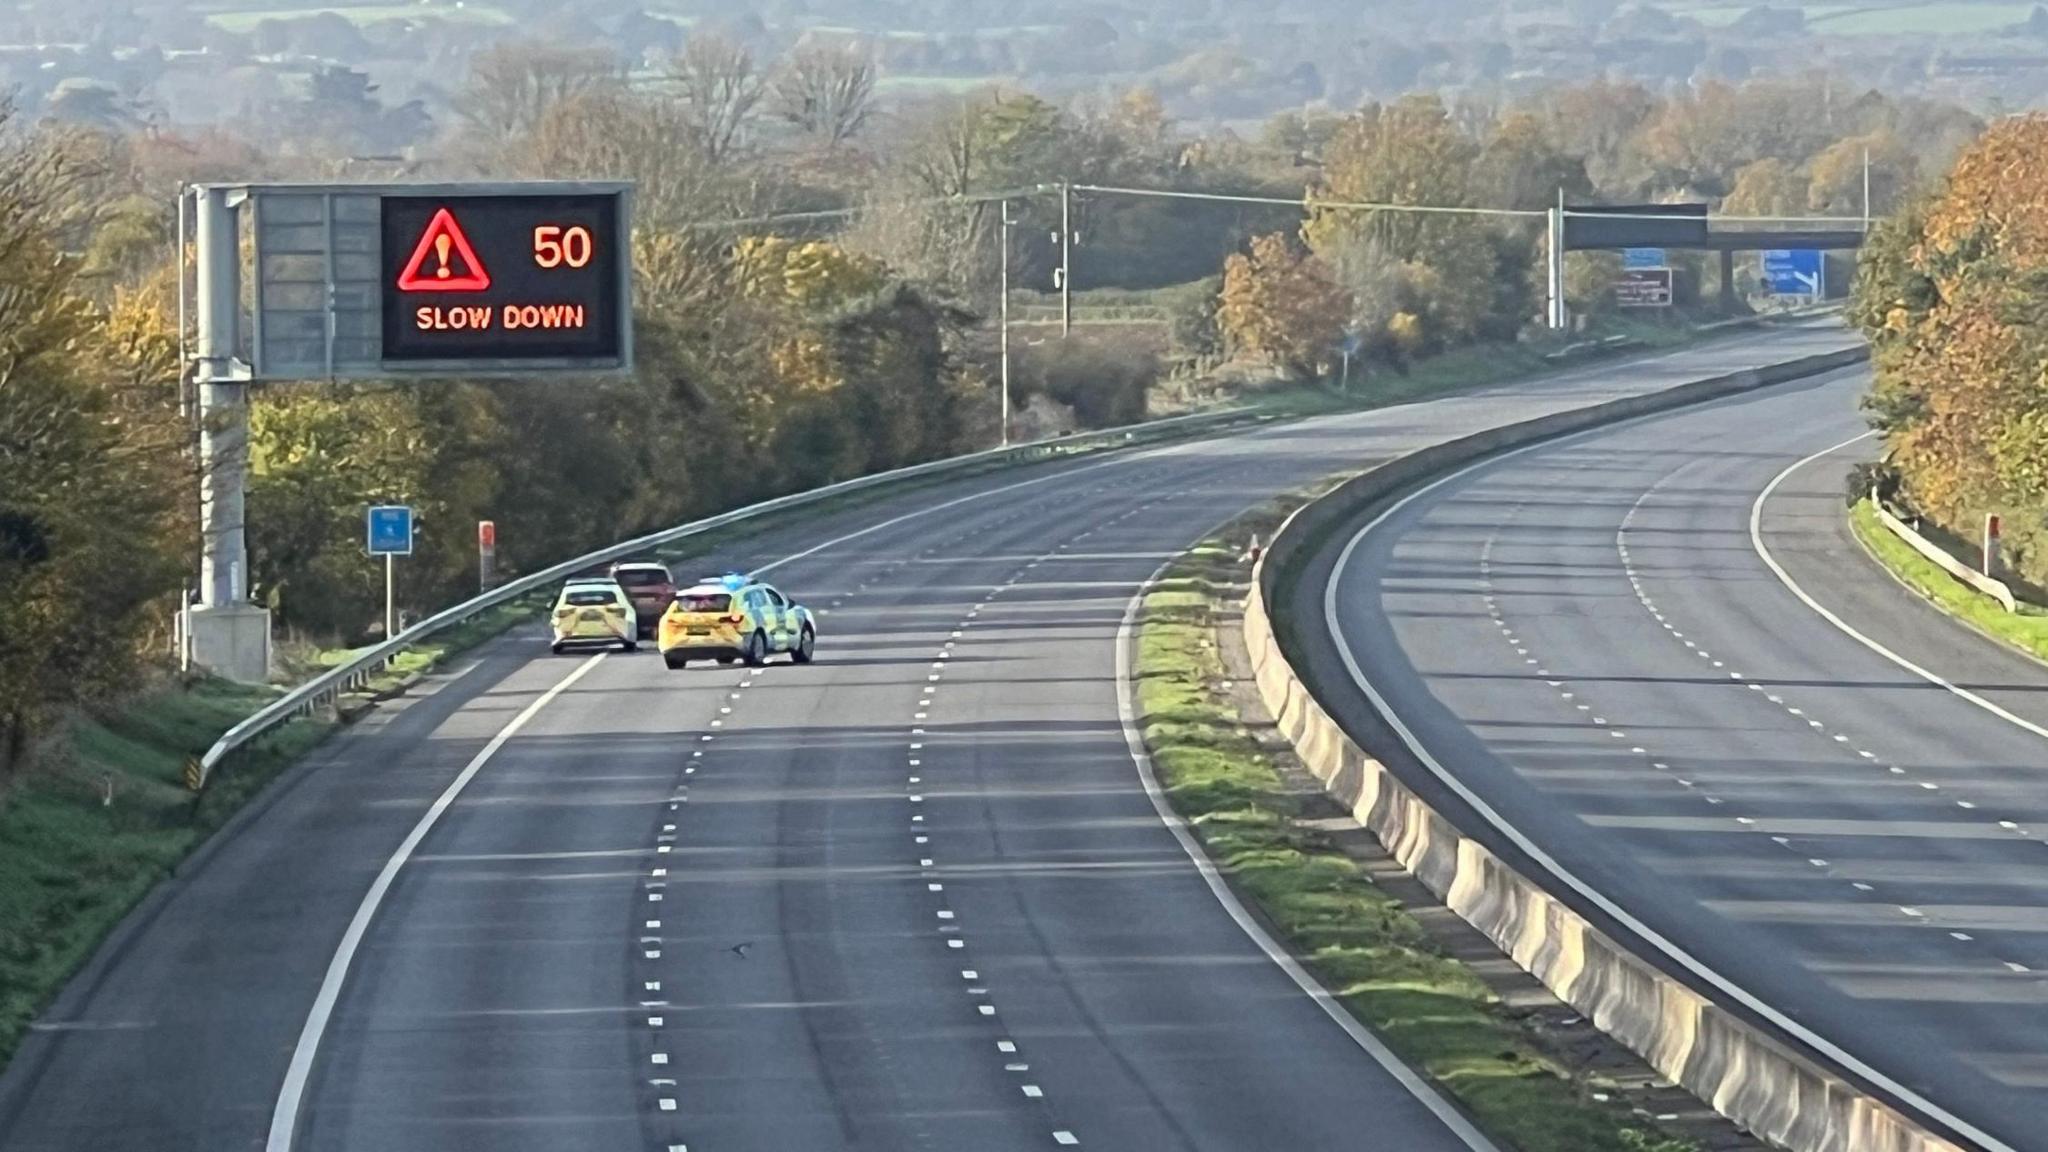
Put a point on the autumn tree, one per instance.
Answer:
(1954, 295)
(1767, 187)
(1282, 303)
(1520, 166)
(1836, 181)
(90, 467)
(1426, 279)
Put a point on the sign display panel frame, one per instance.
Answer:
(325, 279)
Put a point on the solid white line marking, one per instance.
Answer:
(1756, 541)
(1334, 622)
(284, 1116)
(1402, 1074)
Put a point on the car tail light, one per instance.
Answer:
(735, 619)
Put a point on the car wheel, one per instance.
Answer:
(806, 644)
(756, 651)
(557, 649)
(726, 659)
(675, 662)
(631, 645)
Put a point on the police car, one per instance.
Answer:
(729, 618)
(593, 612)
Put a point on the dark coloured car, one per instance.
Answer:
(650, 587)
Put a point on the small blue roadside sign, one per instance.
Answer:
(390, 529)
(1642, 258)
(1794, 272)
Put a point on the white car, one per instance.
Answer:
(594, 612)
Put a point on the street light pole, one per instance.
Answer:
(1004, 234)
(1554, 277)
(1066, 259)
(1866, 189)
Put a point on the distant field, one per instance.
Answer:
(1837, 18)
(467, 11)
(915, 84)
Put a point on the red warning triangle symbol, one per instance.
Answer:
(443, 261)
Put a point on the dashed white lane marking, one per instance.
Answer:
(1033, 1091)
(1064, 1137)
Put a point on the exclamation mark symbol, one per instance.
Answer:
(441, 244)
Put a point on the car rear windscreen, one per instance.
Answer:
(715, 602)
(586, 599)
(641, 578)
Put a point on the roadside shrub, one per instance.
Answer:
(1104, 385)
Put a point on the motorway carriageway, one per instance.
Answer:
(1599, 641)
(913, 896)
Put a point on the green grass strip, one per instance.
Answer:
(72, 864)
(1360, 942)
(2026, 630)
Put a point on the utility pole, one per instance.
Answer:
(1066, 259)
(1004, 233)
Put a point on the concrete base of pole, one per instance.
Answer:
(232, 641)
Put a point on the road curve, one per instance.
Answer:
(1845, 817)
(695, 909)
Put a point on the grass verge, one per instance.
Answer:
(1361, 943)
(2026, 630)
(103, 815)
(1475, 366)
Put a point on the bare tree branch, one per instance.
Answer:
(720, 87)
(827, 90)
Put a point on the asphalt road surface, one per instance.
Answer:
(913, 896)
(1587, 636)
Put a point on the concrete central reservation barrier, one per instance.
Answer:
(1739, 1067)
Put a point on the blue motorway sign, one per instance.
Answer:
(1794, 272)
(390, 530)
(1642, 258)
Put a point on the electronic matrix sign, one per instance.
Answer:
(502, 278)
